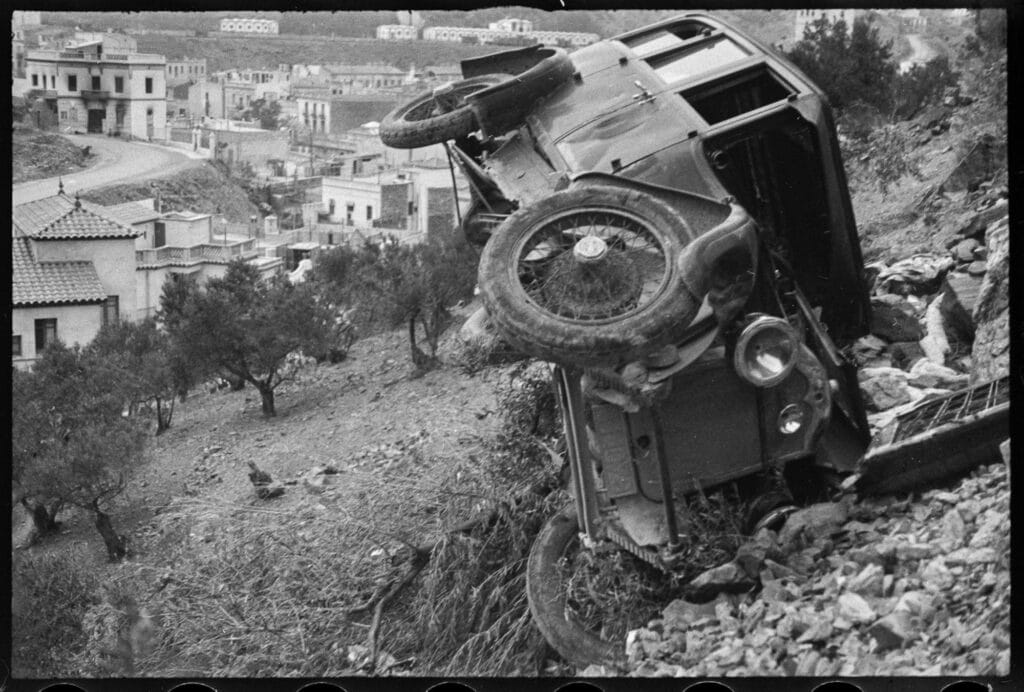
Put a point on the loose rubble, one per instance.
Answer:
(877, 586)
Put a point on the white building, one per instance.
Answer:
(509, 29)
(248, 25)
(804, 18)
(397, 32)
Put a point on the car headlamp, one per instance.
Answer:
(766, 351)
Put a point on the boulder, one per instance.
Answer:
(990, 353)
(903, 354)
(964, 250)
(977, 165)
(935, 344)
(918, 274)
(977, 268)
(926, 374)
(883, 388)
(895, 322)
(822, 519)
(855, 609)
(959, 296)
(727, 578)
(893, 631)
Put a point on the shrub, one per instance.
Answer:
(922, 85)
(50, 594)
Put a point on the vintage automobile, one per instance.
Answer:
(664, 215)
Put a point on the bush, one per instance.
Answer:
(50, 595)
(922, 85)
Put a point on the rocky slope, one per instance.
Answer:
(36, 154)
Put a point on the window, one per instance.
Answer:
(95, 83)
(119, 85)
(350, 209)
(648, 44)
(35, 80)
(53, 81)
(704, 57)
(72, 83)
(149, 85)
(737, 94)
(111, 312)
(63, 115)
(46, 333)
(15, 344)
(369, 212)
(411, 209)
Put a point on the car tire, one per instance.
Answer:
(416, 124)
(546, 594)
(504, 106)
(563, 309)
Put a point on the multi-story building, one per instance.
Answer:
(361, 79)
(508, 30)
(185, 70)
(103, 86)
(248, 25)
(398, 32)
(804, 18)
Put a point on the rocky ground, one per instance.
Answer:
(882, 586)
(36, 154)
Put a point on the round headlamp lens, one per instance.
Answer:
(791, 419)
(766, 351)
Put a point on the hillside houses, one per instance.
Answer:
(76, 266)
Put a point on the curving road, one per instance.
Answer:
(117, 161)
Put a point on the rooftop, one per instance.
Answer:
(130, 213)
(62, 218)
(46, 283)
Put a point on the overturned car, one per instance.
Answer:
(663, 215)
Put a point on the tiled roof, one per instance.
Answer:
(60, 217)
(47, 283)
(132, 212)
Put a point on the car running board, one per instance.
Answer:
(938, 439)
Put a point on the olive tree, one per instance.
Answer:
(246, 327)
(71, 442)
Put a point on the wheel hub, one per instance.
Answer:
(590, 249)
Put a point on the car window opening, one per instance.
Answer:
(704, 57)
(665, 39)
(736, 94)
(774, 171)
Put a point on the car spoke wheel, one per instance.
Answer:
(435, 116)
(548, 596)
(588, 276)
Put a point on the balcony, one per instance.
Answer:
(95, 95)
(195, 254)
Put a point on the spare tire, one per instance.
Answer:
(432, 117)
(589, 277)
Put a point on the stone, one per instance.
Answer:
(727, 578)
(919, 274)
(991, 525)
(977, 268)
(822, 519)
(855, 609)
(935, 344)
(819, 630)
(895, 322)
(680, 613)
(964, 250)
(892, 631)
(936, 575)
(990, 352)
(917, 603)
(750, 557)
(868, 582)
(952, 530)
(969, 509)
(884, 388)
(270, 490)
(775, 590)
(904, 354)
(925, 374)
(980, 253)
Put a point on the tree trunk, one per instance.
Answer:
(267, 400)
(117, 546)
(44, 519)
(419, 358)
(164, 415)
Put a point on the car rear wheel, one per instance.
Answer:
(435, 116)
(546, 591)
(589, 276)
